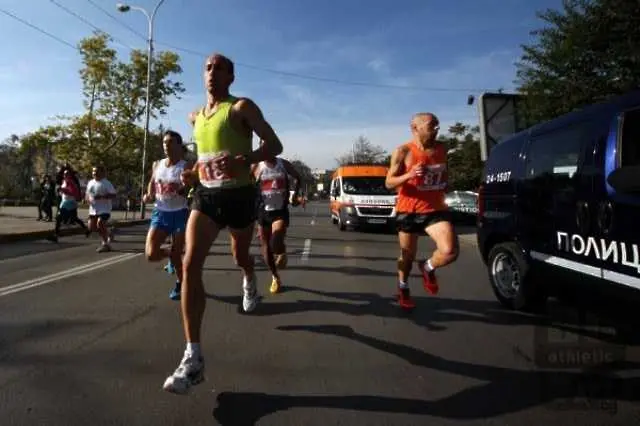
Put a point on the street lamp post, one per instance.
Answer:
(126, 8)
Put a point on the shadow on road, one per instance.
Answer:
(432, 313)
(505, 391)
(246, 408)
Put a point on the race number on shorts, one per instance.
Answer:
(434, 178)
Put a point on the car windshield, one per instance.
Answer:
(365, 186)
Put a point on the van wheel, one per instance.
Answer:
(511, 280)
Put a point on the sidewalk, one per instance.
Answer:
(20, 224)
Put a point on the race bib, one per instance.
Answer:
(434, 179)
(271, 185)
(167, 189)
(210, 174)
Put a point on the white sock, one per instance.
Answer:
(193, 349)
(428, 266)
(402, 284)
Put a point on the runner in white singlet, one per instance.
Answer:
(272, 177)
(170, 213)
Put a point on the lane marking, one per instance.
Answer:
(306, 251)
(315, 214)
(37, 282)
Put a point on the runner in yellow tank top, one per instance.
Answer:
(225, 197)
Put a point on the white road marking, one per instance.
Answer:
(315, 214)
(306, 251)
(37, 282)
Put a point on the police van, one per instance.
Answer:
(559, 206)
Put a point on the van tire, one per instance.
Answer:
(530, 296)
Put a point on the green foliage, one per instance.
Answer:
(587, 52)
(114, 95)
(303, 170)
(465, 166)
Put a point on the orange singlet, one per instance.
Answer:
(425, 194)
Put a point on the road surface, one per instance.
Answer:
(88, 338)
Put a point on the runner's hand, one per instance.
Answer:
(188, 178)
(416, 171)
(227, 164)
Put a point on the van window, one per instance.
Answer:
(630, 142)
(556, 153)
(368, 185)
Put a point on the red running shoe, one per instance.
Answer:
(429, 279)
(404, 299)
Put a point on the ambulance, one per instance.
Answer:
(358, 197)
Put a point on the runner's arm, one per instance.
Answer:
(254, 119)
(192, 118)
(294, 173)
(254, 171)
(395, 177)
(151, 188)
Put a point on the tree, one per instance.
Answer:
(304, 171)
(588, 52)
(115, 94)
(363, 152)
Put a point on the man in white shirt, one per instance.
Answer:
(100, 193)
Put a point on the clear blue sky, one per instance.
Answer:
(466, 45)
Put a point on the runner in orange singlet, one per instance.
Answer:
(418, 170)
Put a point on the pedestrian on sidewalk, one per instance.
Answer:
(68, 208)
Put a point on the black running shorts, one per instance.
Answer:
(267, 218)
(227, 207)
(415, 223)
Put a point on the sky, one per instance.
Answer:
(433, 54)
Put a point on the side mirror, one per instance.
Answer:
(625, 179)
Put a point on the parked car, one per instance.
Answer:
(463, 206)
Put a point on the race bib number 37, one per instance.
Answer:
(434, 178)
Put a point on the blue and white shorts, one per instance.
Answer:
(172, 222)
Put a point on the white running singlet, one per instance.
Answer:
(167, 184)
(273, 185)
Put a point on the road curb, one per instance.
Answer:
(42, 234)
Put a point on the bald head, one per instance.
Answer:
(425, 117)
(424, 127)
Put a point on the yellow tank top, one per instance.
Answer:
(214, 137)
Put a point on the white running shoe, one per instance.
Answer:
(189, 373)
(250, 294)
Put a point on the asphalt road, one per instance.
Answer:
(89, 338)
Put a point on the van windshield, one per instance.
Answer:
(365, 186)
